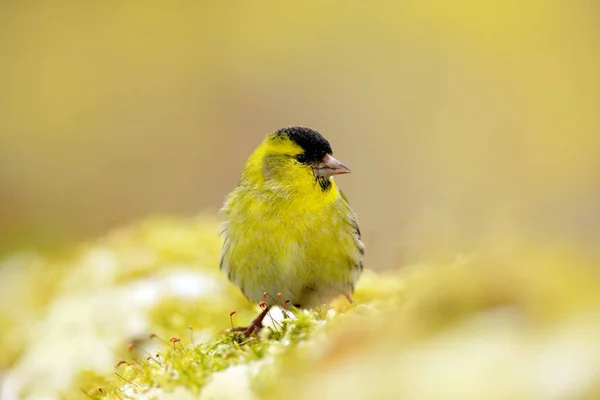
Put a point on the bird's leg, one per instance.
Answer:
(255, 326)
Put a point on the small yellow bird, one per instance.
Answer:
(289, 231)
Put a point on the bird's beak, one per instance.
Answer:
(330, 166)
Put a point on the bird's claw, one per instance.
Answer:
(254, 327)
(246, 330)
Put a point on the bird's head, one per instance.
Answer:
(296, 157)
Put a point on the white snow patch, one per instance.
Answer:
(275, 316)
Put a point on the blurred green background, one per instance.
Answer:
(466, 125)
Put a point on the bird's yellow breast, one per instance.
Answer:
(290, 247)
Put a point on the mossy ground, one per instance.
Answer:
(146, 308)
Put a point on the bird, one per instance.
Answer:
(289, 233)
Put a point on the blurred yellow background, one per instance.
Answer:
(463, 123)
(470, 127)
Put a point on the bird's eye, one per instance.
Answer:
(301, 158)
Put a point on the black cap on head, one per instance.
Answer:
(314, 144)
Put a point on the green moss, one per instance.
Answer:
(535, 298)
(181, 363)
(189, 364)
(396, 310)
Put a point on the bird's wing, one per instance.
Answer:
(353, 218)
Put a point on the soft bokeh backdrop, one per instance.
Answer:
(459, 119)
(472, 131)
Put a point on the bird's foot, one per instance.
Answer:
(254, 327)
(246, 330)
